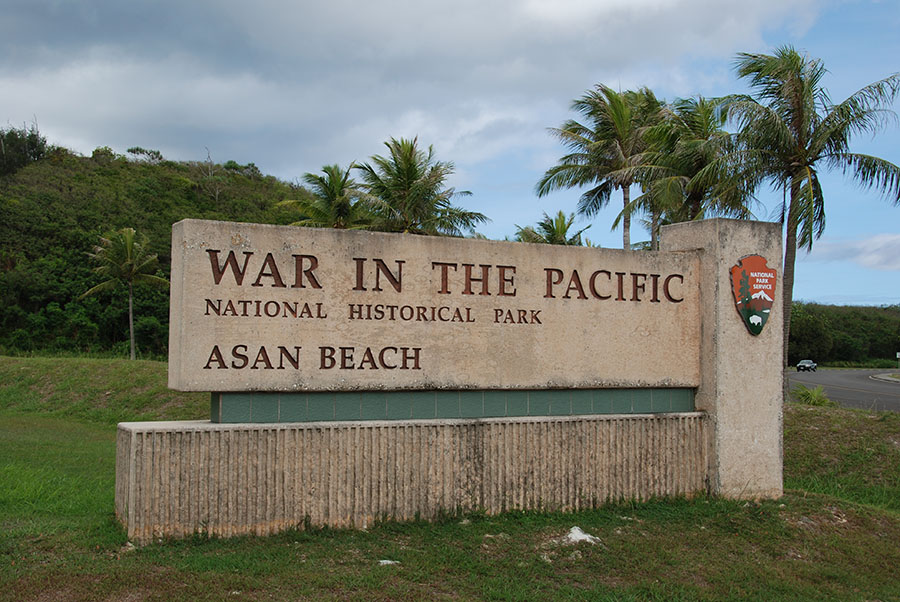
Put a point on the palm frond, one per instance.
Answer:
(872, 173)
(406, 192)
(103, 287)
(151, 280)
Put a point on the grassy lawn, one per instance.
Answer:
(834, 536)
(848, 454)
(97, 390)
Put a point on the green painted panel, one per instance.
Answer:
(447, 404)
(641, 401)
(345, 406)
(292, 407)
(582, 401)
(215, 407)
(236, 407)
(494, 403)
(539, 402)
(373, 406)
(471, 404)
(427, 405)
(517, 403)
(602, 401)
(264, 408)
(424, 405)
(399, 405)
(320, 406)
(682, 400)
(620, 401)
(561, 403)
(660, 400)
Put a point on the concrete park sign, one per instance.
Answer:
(359, 376)
(270, 308)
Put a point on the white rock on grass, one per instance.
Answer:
(388, 562)
(576, 535)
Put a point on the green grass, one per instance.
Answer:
(104, 391)
(850, 454)
(834, 535)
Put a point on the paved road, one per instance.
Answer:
(853, 388)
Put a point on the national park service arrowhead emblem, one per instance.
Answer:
(753, 285)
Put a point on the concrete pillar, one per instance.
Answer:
(741, 373)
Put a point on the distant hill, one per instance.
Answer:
(52, 212)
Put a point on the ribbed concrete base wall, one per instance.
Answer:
(177, 478)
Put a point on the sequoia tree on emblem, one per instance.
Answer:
(753, 285)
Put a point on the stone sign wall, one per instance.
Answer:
(273, 308)
(383, 376)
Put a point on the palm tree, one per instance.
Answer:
(551, 230)
(408, 186)
(603, 150)
(336, 201)
(680, 173)
(122, 257)
(790, 129)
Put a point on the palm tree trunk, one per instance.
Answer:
(787, 295)
(790, 253)
(626, 218)
(695, 204)
(654, 229)
(131, 317)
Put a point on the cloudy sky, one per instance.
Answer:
(295, 85)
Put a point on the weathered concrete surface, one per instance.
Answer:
(178, 478)
(741, 385)
(466, 313)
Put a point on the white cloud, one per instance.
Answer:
(293, 86)
(877, 252)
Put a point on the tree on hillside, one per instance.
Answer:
(336, 201)
(789, 129)
(409, 195)
(551, 230)
(122, 257)
(210, 179)
(19, 147)
(151, 156)
(604, 149)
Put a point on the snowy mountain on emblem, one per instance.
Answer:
(761, 295)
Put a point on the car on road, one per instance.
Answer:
(806, 366)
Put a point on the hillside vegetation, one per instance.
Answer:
(55, 205)
(52, 213)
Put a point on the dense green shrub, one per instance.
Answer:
(811, 397)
